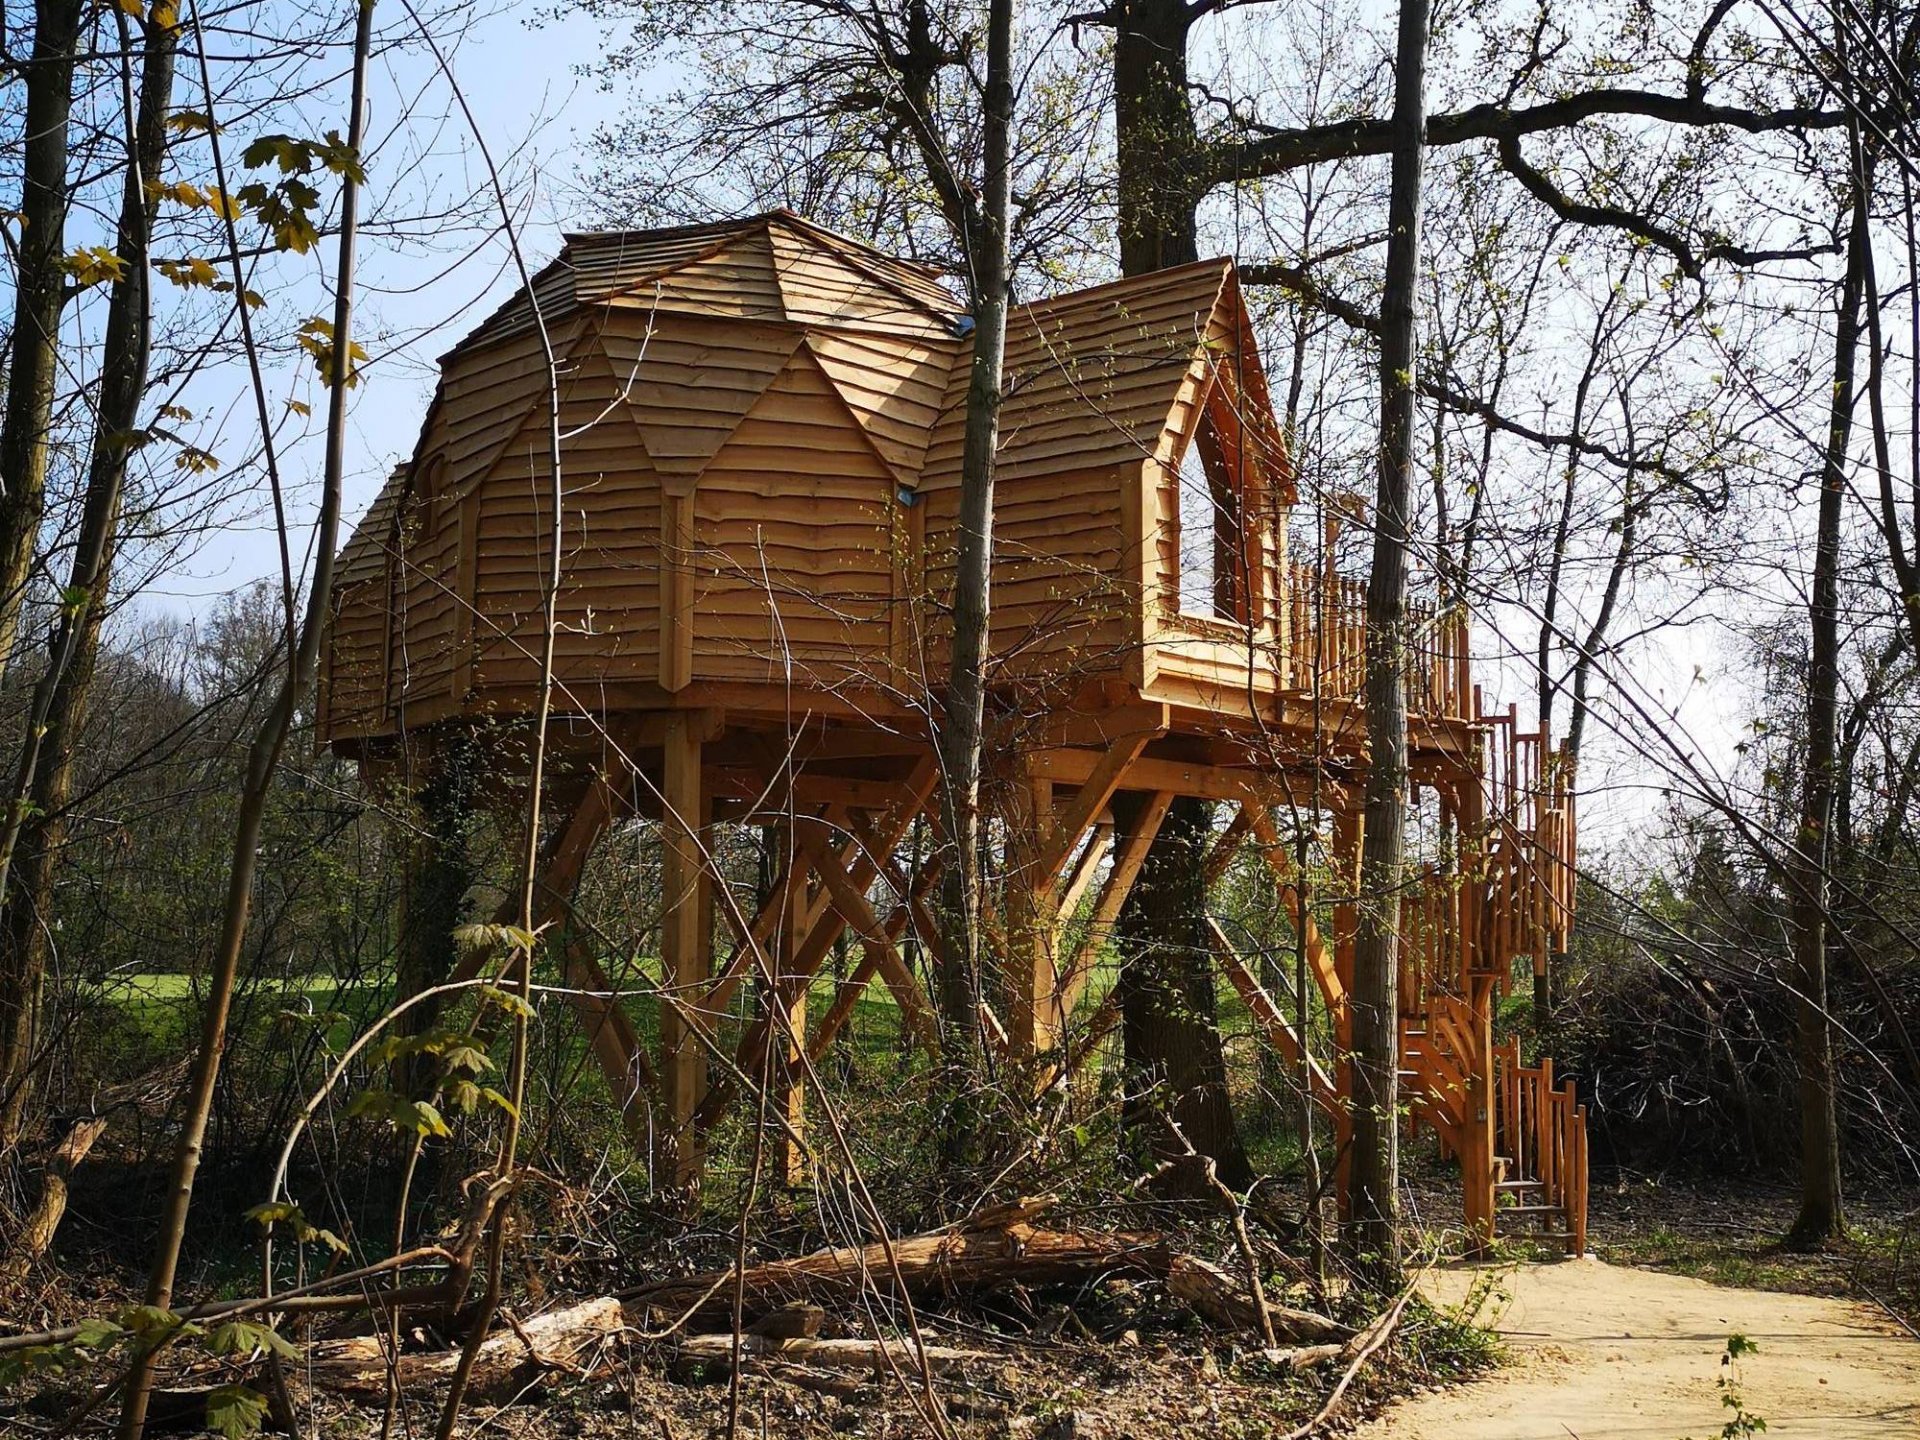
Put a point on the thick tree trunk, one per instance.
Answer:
(963, 707)
(1169, 1023)
(439, 872)
(40, 291)
(1373, 1234)
(35, 832)
(1154, 135)
(1820, 1218)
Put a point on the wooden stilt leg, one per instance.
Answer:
(684, 954)
(791, 992)
(1033, 984)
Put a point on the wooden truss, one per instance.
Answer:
(1070, 865)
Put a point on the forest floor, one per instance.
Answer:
(1614, 1352)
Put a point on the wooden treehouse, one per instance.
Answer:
(762, 425)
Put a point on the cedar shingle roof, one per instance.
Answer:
(1093, 376)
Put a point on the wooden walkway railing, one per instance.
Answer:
(1541, 1131)
(1327, 645)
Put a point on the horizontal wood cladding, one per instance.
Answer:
(354, 695)
(763, 429)
(793, 546)
(1090, 376)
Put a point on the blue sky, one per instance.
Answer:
(535, 110)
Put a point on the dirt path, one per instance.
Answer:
(1604, 1352)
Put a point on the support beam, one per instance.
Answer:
(610, 1035)
(850, 900)
(560, 871)
(790, 992)
(1321, 958)
(1063, 832)
(684, 936)
(909, 799)
(1273, 1025)
(1127, 860)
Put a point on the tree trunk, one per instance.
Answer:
(40, 292)
(44, 779)
(1820, 1218)
(963, 708)
(439, 872)
(1154, 135)
(1169, 1023)
(269, 740)
(1373, 1229)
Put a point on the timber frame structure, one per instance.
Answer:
(763, 428)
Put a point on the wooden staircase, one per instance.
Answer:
(1521, 1138)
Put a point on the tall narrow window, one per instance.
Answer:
(1212, 531)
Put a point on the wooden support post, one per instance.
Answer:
(684, 937)
(676, 590)
(1348, 832)
(790, 992)
(1034, 1014)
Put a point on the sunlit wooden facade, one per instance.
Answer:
(762, 425)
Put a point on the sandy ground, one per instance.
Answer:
(1604, 1352)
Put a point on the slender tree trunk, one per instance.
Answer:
(963, 708)
(263, 754)
(44, 779)
(40, 292)
(1820, 1218)
(1373, 1229)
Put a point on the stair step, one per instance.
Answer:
(1517, 1210)
(1514, 1187)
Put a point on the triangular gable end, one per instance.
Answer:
(894, 388)
(734, 278)
(693, 386)
(814, 417)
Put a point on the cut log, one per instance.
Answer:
(506, 1364)
(36, 1233)
(880, 1355)
(946, 1262)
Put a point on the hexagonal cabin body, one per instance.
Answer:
(763, 428)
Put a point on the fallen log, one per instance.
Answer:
(1210, 1291)
(507, 1363)
(884, 1356)
(971, 1258)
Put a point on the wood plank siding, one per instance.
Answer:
(764, 427)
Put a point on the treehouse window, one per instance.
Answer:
(1212, 554)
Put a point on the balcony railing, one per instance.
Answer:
(1327, 644)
